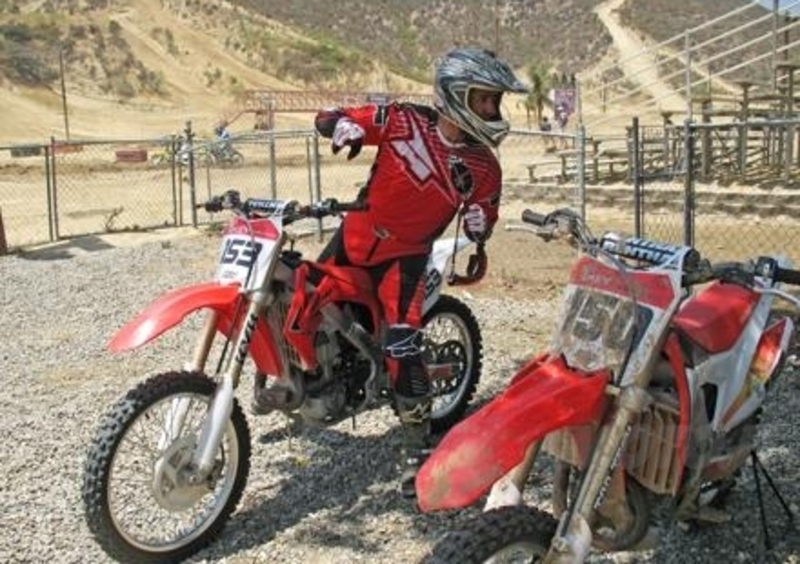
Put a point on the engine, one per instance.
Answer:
(336, 391)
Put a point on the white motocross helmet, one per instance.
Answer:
(465, 68)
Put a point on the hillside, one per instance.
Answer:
(145, 67)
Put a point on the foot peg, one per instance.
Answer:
(286, 395)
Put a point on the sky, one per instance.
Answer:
(793, 5)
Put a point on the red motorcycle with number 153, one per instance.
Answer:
(170, 460)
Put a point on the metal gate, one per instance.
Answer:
(662, 164)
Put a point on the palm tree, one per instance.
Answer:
(538, 97)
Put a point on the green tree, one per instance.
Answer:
(540, 84)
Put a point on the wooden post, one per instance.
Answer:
(707, 149)
(744, 134)
(3, 244)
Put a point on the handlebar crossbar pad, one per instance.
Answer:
(652, 252)
(265, 206)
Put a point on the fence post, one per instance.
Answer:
(192, 193)
(581, 168)
(635, 170)
(3, 244)
(689, 202)
(273, 173)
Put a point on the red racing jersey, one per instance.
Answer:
(417, 184)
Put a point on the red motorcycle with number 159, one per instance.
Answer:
(170, 460)
(652, 389)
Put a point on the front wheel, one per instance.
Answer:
(506, 534)
(453, 352)
(140, 501)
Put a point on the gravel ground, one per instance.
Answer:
(329, 496)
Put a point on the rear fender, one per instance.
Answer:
(173, 307)
(441, 258)
(477, 452)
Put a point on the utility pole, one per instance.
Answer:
(63, 91)
(497, 27)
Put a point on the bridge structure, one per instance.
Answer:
(264, 104)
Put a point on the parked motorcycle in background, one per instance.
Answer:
(170, 460)
(651, 390)
(175, 152)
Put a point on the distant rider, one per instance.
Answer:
(224, 145)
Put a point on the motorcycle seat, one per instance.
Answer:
(715, 317)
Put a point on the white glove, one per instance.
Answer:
(347, 132)
(475, 220)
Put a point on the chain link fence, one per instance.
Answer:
(728, 189)
(654, 181)
(63, 189)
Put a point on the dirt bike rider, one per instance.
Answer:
(431, 162)
(223, 139)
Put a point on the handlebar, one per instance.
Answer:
(743, 273)
(289, 210)
(565, 223)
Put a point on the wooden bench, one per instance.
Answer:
(542, 164)
(567, 161)
(609, 158)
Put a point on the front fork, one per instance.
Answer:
(219, 411)
(573, 538)
(508, 489)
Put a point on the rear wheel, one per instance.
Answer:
(506, 534)
(236, 158)
(453, 352)
(139, 500)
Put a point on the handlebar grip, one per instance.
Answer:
(212, 206)
(357, 205)
(788, 275)
(533, 218)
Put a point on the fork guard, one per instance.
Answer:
(171, 308)
(545, 395)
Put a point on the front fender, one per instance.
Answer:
(169, 310)
(173, 307)
(544, 396)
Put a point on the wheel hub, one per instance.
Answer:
(175, 484)
(445, 364)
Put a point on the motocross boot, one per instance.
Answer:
(415, 417)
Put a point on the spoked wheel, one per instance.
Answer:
(141, 500)
(453, 352)
(517, 534)
(159, 159)
(235, 158)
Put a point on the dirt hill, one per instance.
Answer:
(145, 67)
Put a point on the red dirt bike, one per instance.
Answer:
(170, 460)
(650, 391)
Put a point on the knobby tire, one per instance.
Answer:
(112, 430)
